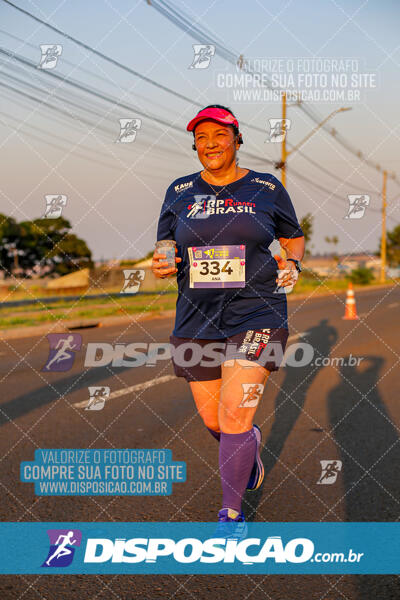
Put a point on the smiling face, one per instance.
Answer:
(216, 145)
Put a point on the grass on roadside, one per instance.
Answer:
(85, 309)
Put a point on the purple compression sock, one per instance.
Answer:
(215, 434)
(236, 458)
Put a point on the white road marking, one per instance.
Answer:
(295, 336)
(133, 388)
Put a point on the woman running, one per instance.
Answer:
(223, 220)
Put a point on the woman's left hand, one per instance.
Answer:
(288, 275)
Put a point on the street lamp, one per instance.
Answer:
(282, 164)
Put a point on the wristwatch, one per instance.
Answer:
(297, 264)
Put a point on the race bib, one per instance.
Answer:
(217, 266)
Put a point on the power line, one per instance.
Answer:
(155, 173)
(113, 165)
(86, 88)
(323, 169)
(58, 147)
(331, 194)
(316, 185)
(102, 96)
(36, 88)
(82, 69)
(230, 56)
(186, 25)
(98, 53)
(95, 125)
(183, 22)
(115, 62)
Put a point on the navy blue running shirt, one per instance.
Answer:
(249, 213)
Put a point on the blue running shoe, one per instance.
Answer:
(231, 525)
(257, 473)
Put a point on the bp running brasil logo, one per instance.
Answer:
(62, 547)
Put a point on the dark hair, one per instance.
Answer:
(235, 129)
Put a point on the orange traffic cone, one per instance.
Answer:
(350, 312)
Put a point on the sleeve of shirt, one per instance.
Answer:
(286, 223)
(167, 219)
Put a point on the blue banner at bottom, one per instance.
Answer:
(195, 548)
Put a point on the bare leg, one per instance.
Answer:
(206, 396)
(232, 417)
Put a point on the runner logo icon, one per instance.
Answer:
(278, 129)
(252, 393)
(198, 209)
(62, 550)
(202, 56)
(50, 54)
(98, 396)
(357, 206)
(54, 205)
(128, 130)
(133, 279)
(330, 470)
(62, 351)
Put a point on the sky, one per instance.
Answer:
(58, 139)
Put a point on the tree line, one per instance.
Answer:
(47, 247)
(392, 241)
(43, 247)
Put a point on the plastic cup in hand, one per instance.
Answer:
(167, 247)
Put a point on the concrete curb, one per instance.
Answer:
(42, 330)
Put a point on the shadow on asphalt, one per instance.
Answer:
(368, 446)
(366, 438)
(289, 403)
(367, 443)
(52, 391)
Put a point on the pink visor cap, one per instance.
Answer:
(216, 114)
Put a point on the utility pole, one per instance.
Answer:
(283, 153)
(383, 239)
(15, 252)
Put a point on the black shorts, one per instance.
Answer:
(200, 359)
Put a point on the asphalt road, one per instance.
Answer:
(308, 414)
